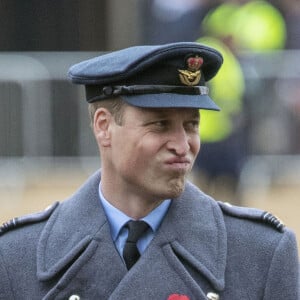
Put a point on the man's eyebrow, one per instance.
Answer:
(196, 114)
(155, 112)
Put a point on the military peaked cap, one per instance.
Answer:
(171, 75)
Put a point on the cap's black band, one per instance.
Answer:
(94, 92)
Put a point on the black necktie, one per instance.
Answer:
(131, 253)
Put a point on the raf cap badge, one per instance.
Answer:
(192, 75)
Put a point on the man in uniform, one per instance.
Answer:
(137, 229)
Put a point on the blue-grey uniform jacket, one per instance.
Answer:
(203, 250)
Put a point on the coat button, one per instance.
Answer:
(212, 296)
(74, 297)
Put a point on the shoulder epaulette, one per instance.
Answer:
(252, 214)
(28, 219)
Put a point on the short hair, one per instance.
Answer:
(114, 105)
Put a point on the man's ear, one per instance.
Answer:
(101, 126)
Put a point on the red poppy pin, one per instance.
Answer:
(178, 297)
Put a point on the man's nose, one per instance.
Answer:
(179, 142)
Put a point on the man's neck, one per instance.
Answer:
(134, 205)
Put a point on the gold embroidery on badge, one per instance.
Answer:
(192, 75)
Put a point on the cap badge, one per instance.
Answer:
(192, 75)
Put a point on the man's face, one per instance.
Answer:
(152, 151)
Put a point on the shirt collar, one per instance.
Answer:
(117, 219)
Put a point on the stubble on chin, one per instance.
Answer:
(176, 186)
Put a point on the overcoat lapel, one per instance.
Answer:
(76, 247)
(196, 233)
(187, 255)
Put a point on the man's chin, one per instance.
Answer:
(176, 187)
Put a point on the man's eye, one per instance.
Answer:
(193, 125)
(196, 123)
(160, 123)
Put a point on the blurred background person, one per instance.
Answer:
(233, 27)
(166, 21)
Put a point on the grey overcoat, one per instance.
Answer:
(202, 250)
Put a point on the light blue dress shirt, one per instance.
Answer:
(117, 219)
